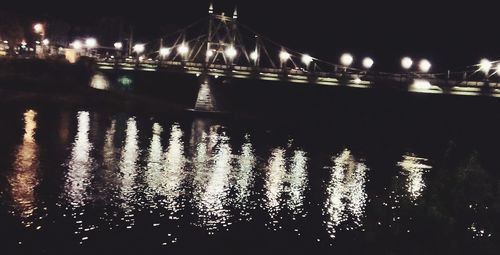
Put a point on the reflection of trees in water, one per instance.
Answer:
(346, 194)
(24, 179)
(463, 195)
(477, 191)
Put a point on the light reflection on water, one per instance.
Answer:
(413, 169)
(346, 194)
(244, 177)
(276, 172)
(24, 177)
(128, 165)
(80, 164)
(202, 175)
(164, 174)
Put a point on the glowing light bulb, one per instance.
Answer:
(406, 62)
(368, 63)
(284, 56)
(346, 59)
(231, 52)
(165, 52)
(90, 42)
(307, 59)
(118, 45)
(139, 48)
(485, 66)
(254, 55)
(77, 45)
(183, 49)
(424, 65)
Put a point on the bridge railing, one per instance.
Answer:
(377, 78)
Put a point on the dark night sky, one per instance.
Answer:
(450, 33)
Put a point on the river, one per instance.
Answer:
(76, 181)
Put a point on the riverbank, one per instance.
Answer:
(37, 82)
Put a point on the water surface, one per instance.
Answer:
(76, 181)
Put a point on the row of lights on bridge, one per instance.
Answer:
(346, 59)
(89, 43)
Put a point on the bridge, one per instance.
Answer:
(220, 46)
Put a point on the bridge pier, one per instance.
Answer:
(206, 100)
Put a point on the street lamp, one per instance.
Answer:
(210, 53)
(90, 43)
(346, 59)
(39, 29)
(368, 63)
(406, 63)
(254, 55)
(424, 65)
(183, 49)
(165, 52)
(118, 45)
(231, 52)
(307, 59)
(46, 42)
(485, 66)
(77, 45)
(139, 48)
(284, 56)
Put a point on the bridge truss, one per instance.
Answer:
(220, 46)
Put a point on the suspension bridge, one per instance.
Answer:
(218, 45)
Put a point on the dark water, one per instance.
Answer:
(76, 181)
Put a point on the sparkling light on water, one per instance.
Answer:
(244, 177)
(276, 172)
(24, 178)
(80, 163)
(128, 163)
(414, 168)
(346, 194)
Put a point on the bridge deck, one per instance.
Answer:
(409, 82)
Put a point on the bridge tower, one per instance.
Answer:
(209, 34)
(205, 101)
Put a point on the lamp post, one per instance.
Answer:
(231, 53)
(406, 64)
(39, 29)
(90, 44)
(284, 57)
(307, 60)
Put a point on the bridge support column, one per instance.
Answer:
(205, 101)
